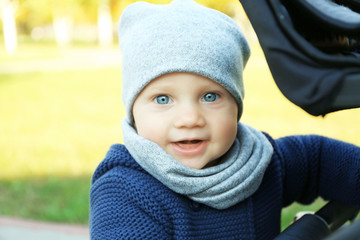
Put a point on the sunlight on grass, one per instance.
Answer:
(58, 123)
(47, 199)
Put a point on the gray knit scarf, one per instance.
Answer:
(236, 177)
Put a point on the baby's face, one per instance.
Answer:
(190, 116)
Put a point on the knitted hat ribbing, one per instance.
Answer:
(182, 36)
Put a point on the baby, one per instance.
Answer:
(189, 169)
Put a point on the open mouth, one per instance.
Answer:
(190, 141)
(189, 147)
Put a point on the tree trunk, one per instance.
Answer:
(105, 31)
(8, 9)
(62, 25)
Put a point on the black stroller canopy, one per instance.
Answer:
(313, 50)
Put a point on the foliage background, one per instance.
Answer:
(33, 13)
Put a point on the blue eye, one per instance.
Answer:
(210, 97)
(162, 99)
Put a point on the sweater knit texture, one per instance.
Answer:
(128, 203)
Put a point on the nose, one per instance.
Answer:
(189, 116)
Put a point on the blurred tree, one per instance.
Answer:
(228, 7)
(60, 14)
(63, 15)
(66, 13)
(8, 9)
(105, 27)
(232, 8)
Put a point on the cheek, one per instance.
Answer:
(145, 127)
(149, 128)
(227, 129)
(140, 120)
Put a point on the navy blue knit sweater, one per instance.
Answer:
(128, 203)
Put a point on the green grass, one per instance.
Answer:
(56, 127)
(48, 199)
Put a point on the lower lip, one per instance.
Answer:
(189, 149)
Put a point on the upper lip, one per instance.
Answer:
(189, 140)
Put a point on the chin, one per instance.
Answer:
(198, 165)
(192, 164)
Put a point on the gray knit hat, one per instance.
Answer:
(182, 36)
